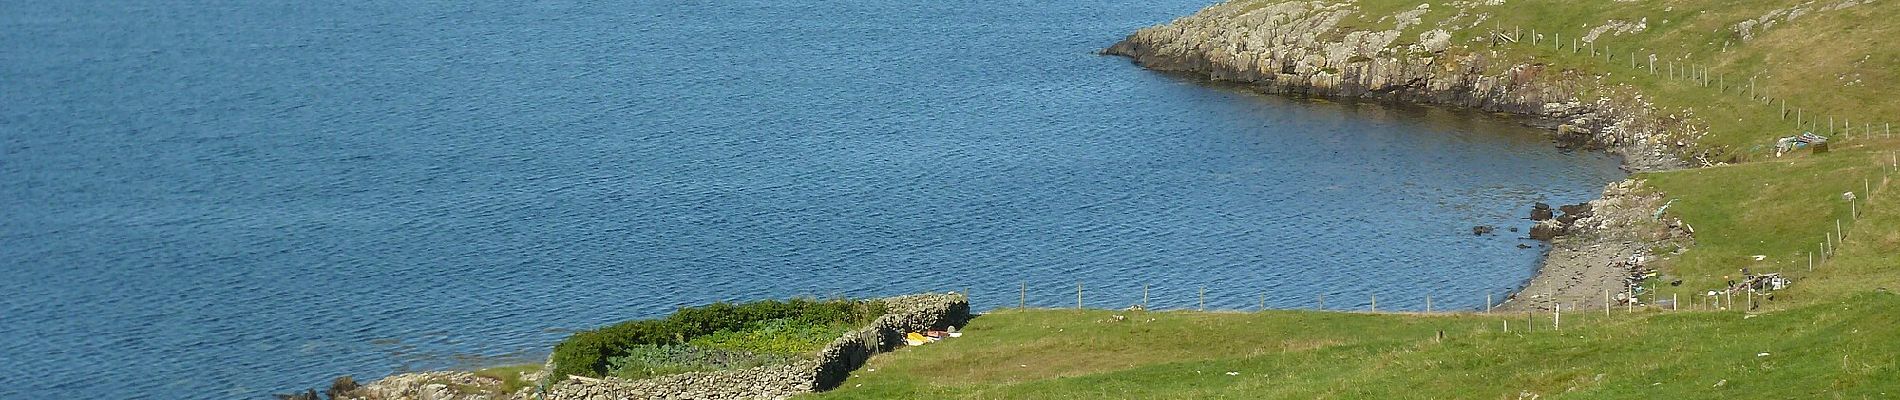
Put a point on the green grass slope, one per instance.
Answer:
(1831, 335)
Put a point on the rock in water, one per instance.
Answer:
(1546, 230)
(308, 394)
(1541, 211)
(1482, 230)
(1579, 210)
(342, 386)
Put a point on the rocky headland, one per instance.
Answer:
(1335, 50)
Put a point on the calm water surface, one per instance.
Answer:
(214, 199)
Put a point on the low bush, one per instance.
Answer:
(782, 337)
(649, 360)
(593, 353)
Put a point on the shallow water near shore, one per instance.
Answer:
(224, 200)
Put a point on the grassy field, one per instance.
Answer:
(1843, 347)
(1831, 335)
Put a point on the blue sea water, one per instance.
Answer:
(225, 199)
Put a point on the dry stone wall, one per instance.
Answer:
(913, 313)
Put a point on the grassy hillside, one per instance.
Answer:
(1838, 63)
(1844, 347)
(1831, 335)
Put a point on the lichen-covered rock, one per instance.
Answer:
(437, 385)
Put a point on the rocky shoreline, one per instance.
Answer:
(825, 370)
(1306, 48)
(1598, 250)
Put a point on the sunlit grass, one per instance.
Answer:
(1830, 335)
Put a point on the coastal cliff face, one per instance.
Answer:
(1316, 48)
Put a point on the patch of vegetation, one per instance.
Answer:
(650, 360)
(784, 327)
(510, 376)
(783, 337)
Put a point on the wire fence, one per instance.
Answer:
(1676, 69)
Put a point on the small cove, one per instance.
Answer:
(221, 201)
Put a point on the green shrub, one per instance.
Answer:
(784, 337)
(592, 353)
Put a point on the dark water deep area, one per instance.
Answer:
(224, 199)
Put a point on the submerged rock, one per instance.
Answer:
(1541, 211)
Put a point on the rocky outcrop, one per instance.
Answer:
(435, 385)
(1540, 212)
(1305, 48)
(1747, 30)
(430, 385)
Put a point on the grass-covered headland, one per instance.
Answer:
(713, 337)
(1734, 75)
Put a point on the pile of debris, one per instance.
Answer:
(1636, 270)
(1762, 286)
(1797, 142)
(1758, 284)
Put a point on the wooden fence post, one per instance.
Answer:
(1144, 296)
(1022, 301)
(1078, 295)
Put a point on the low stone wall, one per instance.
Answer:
(768, 382)
(913, 313)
